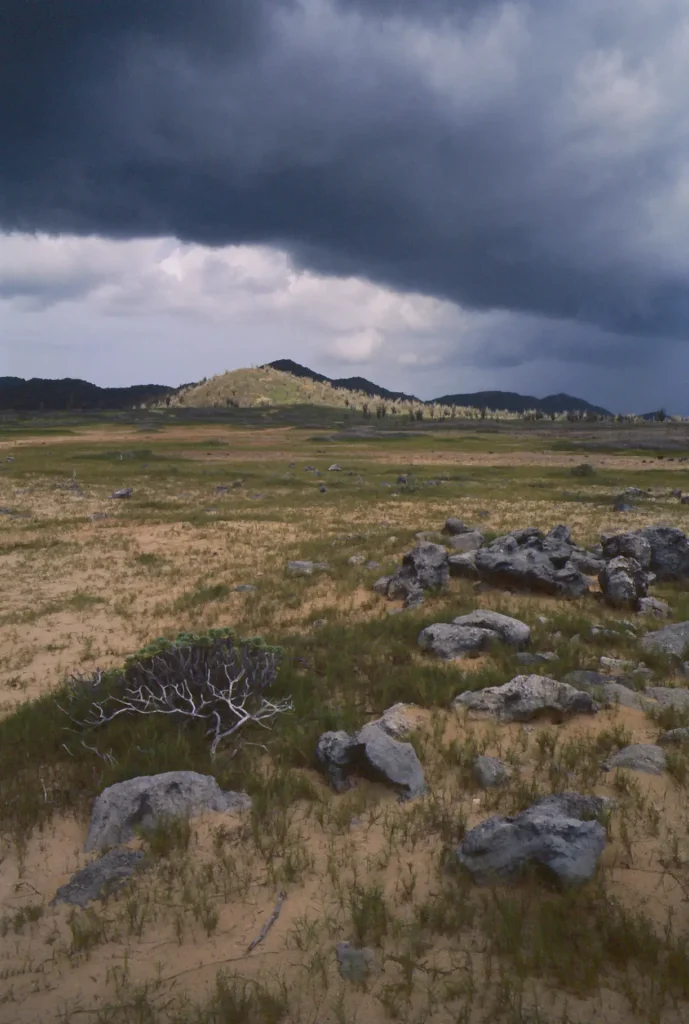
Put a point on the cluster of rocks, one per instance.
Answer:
(139, 803)
(551, 563)
(468, 634)
(373, 752)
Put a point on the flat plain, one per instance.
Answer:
(225, 502)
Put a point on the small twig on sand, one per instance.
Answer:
(270, 922)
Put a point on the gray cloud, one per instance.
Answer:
(524, 156)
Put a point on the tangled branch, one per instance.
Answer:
(219, 683)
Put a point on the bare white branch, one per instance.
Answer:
(223, 687)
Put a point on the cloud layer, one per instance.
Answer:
(526, 161)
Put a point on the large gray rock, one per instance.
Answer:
(603, 689)
(427, 564)
(529, 569)
(557, 833)
(511, 631)
(629, 545)
(101, 878)
(527, 697)
(371, 752)
(470, 541)
(396, 762)
(336, 753)
(669, 552)
(463, 566)
(490, 772)
(673, 640)
(144, 801)
(638, 757)
(669, 696)
(623, 582)
(448, 641)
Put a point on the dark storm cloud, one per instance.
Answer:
(523, 156)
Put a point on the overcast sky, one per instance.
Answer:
(440, 195)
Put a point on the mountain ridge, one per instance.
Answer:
(516, 402)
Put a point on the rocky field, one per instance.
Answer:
(302, 727)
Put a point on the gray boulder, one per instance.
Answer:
(623, 582)
(628, 545)
(396, 762)
(675, 736)
(334, 468)
(470, 541)
(427, 564)
(527, 697)
(336, 753)
(382, 585)
(586, 562)
(146, 800)
(558, 833)
(448, 641)
(603, 689)
(371, 752)
(638, 757)
(672, 640)
(101, 878)
(511, 631)
(529, 569)
(490, 772)
(669, 552)
(302, 568)
(654, 606)
(463, 566)
(455, 526)
(125, 492)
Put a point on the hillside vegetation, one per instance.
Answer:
(265, 387)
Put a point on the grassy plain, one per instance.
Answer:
(225, 500)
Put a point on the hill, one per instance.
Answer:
(358, 384)
(267, 386)
(511, 401)
(70, 393)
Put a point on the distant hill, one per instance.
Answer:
(359, 384)
(511, 401)
(69, 393)
(268, 386)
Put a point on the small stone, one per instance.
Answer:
(334, 468)
(125, 492)
(654, 606)
(534, 658)
(298, 568)
(355, 964)
(638, 757)
(356, 559)
(244, 588)
(490, 772)
(675, 736)
(616, 664)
